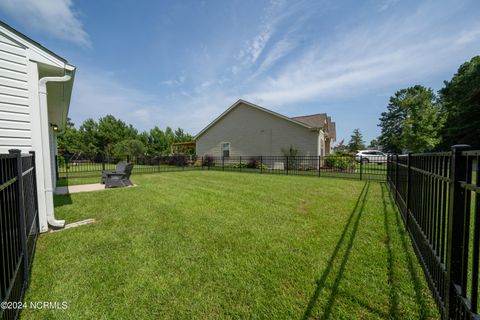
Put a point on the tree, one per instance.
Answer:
(373, 144)
(111, 131)
(131, 148)
(356, 141)
(69, 139)
(412, 122)
(460, 103)
(113, 137)
(157, 143)
(143, 137)
(88, 135)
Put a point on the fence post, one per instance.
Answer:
(223, 163)
(396, 177)
(67, 159)
(240, 165)
(456, 226)
(408, 187)
(409, 178)
(287, 165)
(34, 182)
(319, 162)
(261, 164)
(361, 166)
(21, 212)
(103, 163)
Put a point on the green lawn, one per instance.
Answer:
(92, 172)
(207, 244)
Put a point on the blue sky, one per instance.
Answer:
(181, 63)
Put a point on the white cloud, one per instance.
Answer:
(385, 4)
(55, 17)
(290, 67)
(97, 94)
(406, 49)
(173, 82)
(256, 45)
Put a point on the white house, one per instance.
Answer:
(35, 89)
(246, 129)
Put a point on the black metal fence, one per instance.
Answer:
(373, 167)
(438, 197)
(18, 228)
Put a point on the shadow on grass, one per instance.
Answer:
(62, 182)
(393, 226)
(411, 260)
(393, 288)
(64, 199)
(321, 283)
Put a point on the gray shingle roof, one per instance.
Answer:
(320, 120)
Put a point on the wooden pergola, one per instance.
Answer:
(175, 146)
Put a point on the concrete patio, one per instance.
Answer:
(79, 188)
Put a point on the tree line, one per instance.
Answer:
(111, 137)
(418, 119)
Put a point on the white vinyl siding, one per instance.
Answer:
(15, 129)
(253, 132)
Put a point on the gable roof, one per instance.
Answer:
(43, 54)
(315, 120)
(257, 107)
(321, 121)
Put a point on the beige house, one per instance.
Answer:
(246, 129)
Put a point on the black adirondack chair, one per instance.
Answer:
(119, 177)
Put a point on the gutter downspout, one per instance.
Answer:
(45, 139)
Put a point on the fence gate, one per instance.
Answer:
(438, 195)
(18, 228)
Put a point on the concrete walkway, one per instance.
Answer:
(79, 188)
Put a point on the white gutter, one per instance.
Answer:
(45, 138)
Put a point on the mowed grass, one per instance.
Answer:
(92, 173)
(209, 245)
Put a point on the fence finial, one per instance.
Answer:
(461, 147)
(14, 151)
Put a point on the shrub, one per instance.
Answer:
(344, 154)
(291, 153)
(198, 163)
(263, 166)
(208, 161)
(330, 161)
(306, 168)
(240, 165)
(61, 161)
(179, 160)
(339, 162)
(253, 163)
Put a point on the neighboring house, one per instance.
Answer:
(35, 89)
(246, 129)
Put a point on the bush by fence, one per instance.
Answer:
(438, 197)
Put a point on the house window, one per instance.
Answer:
(226, 149)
